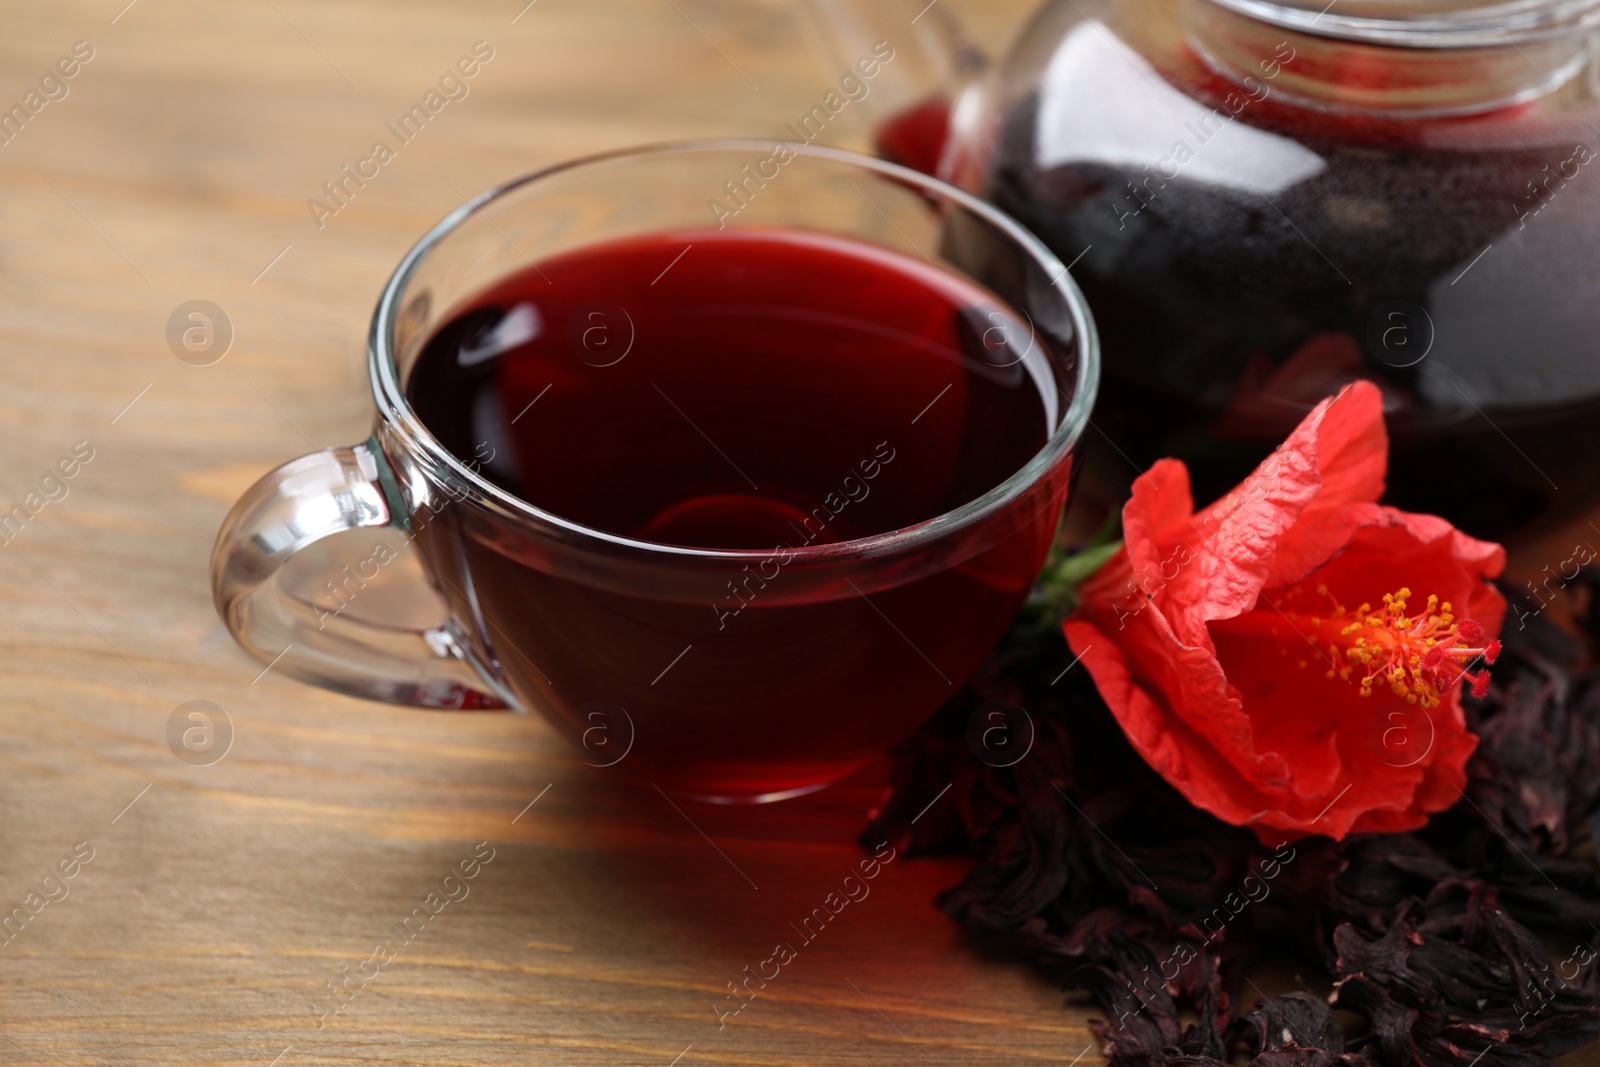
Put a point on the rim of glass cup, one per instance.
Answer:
(1444, 24)
(396, 410)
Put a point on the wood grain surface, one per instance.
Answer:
(220, 899)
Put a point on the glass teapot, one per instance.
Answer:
(1266, 199)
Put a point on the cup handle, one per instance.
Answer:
(296, 505)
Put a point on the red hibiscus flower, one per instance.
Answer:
(1292, 658)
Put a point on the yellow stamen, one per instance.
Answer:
(1418, 656)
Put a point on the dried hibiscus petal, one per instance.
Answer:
(1088, 859)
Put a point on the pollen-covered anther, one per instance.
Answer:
(1420, 657)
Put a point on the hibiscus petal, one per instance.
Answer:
(1387, 786)
(1351, 452)
(1179, 753)
(1444, 779)
(1388, 547)
(1156, 518)
(1281, 521)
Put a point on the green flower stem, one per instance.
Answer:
(1057, 593)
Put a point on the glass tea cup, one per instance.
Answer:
(839, 648)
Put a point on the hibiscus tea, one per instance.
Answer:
(1224, 324)
(752, 389)
(1246, 255)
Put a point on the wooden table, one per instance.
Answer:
(220, 899)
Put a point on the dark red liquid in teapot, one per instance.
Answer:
(767, 390)
(1245, 256)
